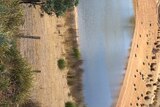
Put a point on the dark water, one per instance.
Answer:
(105, 35)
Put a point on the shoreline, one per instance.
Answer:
(75, 71)
(132, 82)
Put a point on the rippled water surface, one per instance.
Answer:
(105, 34)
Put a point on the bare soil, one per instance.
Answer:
(133, 90)
(50, 87)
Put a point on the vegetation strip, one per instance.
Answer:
(15, 74)
(74, 61)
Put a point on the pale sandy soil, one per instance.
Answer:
(50, 85)
(134, 87)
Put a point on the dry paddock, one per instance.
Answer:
(50, 85)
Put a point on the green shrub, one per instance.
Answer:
(10, 15)
(70, 104)
(61, 63)
(59, 7)
(76, 53)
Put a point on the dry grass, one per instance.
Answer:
(75, 73)
(15, 74)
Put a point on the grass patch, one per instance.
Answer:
(61, 64)
(70, 104)
(10, 16)
(15, 77)
(15, 74)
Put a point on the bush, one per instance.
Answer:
(70, 104)
(59, 7)
(76, 53)
(61, 64)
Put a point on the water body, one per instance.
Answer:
(105, 35)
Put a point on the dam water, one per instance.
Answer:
(106, 30)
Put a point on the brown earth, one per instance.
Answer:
(134, 88)
(50, 87)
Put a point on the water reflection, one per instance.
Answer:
(106, 30)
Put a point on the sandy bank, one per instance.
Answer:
(134, 87)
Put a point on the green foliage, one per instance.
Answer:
(21, 75)
(59, 7)
(4, 82)
(61, 64)
(70, 104)
(76, 53)
(10, 15)
(15, 74)
(4, 103)
(76, 2)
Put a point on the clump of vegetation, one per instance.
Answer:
(59, 7)
(132, 20)
(61, 64)
(15, 74)
(10, 16)
(70, 104)
(76, 53)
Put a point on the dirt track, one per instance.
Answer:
(133, 90)
(50, 85)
